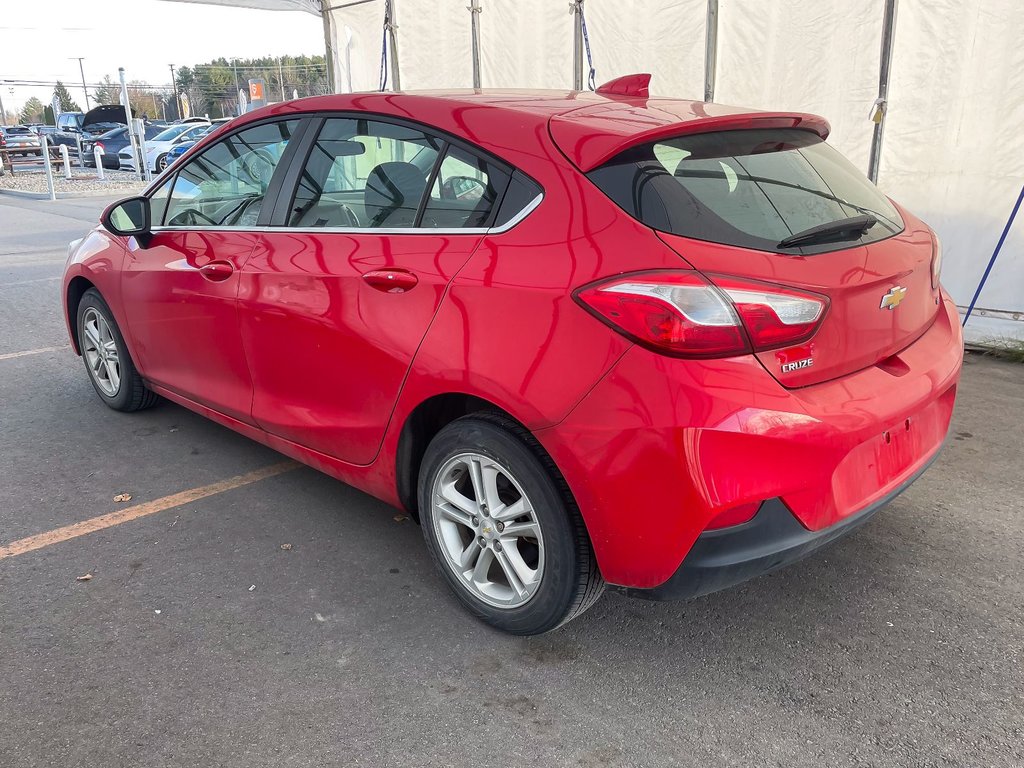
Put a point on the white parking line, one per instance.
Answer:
(27, 352)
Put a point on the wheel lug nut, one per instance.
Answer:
(483, 541)
(476, 520)
(483, 508)
(501, 527)
(497, 546)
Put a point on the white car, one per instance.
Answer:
(158, 147)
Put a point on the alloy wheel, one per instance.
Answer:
(100, 350)
(488, 530)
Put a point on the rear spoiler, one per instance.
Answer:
(593, 135)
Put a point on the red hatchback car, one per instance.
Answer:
(584, 338)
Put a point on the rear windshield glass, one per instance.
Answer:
(749, 188)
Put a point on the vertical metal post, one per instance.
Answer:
(331, 49)
(280, 77)
(881, 105)
(140, 131)
(65, 158)
(49, 167)
(97, 153)
(133, 139)
(474, 31)
(3, 112)
(576, 9)
(710, 50)
(78, 149)
(238, 101)
(81, 71)
(396, 80)
(174, 92)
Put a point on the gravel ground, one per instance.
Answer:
(114, 181)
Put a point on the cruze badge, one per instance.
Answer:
(892, 299)
(796, 365)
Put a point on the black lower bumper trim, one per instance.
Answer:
(772, 539)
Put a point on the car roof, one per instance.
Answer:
(588, 127)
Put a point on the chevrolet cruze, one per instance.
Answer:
(584, 338)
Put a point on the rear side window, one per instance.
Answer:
(749, 188)
(464, 191)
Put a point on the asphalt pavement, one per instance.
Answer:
(294, 621)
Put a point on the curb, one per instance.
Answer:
(64, 195)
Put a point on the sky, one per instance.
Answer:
(143, 36)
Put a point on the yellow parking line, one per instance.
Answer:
(56, 536)
(41, 350)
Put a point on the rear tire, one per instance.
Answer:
(519, 558)
(107, 362)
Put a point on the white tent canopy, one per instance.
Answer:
(953, 150)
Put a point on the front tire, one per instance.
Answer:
(503, 529)
(110, 367)
(161, 163)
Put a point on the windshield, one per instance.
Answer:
(173, 132)
(749, 188)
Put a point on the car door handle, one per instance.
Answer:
(216, 271)
(391, 280)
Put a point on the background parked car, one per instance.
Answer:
(113, 141)
(181, 148)
(20, 140)
(157, 149)
(72, 126)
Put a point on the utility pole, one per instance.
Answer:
(81, 71)
(238, 103)
(280, 75)
(174, 90)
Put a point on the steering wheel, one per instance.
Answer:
(189, 215)
(462, 188)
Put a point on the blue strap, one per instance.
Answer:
(591, 82)
(995, 253)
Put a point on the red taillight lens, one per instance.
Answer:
(774, 316)
(675, 313)
(682, 314)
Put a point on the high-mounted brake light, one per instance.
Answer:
(684, 315)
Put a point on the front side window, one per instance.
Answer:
(225, 185)
(749, 188)
(364, 174)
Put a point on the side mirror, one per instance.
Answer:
(128, 217)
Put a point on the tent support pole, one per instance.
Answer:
(881, 106)
(334, 78)
(710, 50)
(474, 10)
(577, 45)
(396, 80)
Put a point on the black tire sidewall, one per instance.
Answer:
(560, 581)
(124, 396)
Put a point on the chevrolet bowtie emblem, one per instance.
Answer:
(892, 299)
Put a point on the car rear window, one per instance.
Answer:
(749, 188)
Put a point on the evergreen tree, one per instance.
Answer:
(32, 112)
(109, 92)
(67, 104)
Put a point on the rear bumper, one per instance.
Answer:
(660, 447)
(773, 539)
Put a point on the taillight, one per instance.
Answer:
(936, 261)
(774, 316)
(684, 315)
(675, 313)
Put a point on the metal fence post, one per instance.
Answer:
(140, 131)
(133, 139)
(49, 168)
(97, 153)
(65, 158)
(78, 147)
(576, 8)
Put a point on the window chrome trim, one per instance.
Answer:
(523, 213)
